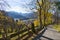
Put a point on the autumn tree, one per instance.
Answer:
(4, 20)
(39, 12)
(43, 7)
(57, 14)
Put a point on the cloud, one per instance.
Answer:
(20, 9)
(20, 5)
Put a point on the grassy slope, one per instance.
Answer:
(57, 27)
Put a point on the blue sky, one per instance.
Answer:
(20, 5)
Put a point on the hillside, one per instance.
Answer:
(23, 16)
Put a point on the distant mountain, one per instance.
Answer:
(53, 1)
(15, 15)
(30, 15)
(23, 16)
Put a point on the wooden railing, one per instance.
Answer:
(21, 35)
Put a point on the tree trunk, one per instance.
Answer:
(40, 14)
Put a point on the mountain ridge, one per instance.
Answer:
(20, 15)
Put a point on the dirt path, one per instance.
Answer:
(50, 34)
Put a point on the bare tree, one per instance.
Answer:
(3, 3)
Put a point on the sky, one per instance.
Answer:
(23, 6)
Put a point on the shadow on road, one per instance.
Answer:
(38, 37)
(46, 38)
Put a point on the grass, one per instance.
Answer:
(0, 36)
(14, 38)
(57, 27)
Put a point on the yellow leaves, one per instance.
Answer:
(20, 22)
(57, 27)
(40, 2)
(43, 22)
(36, 23)
(42, 11)
(2, 17)
(5, 19)
(49, 14)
